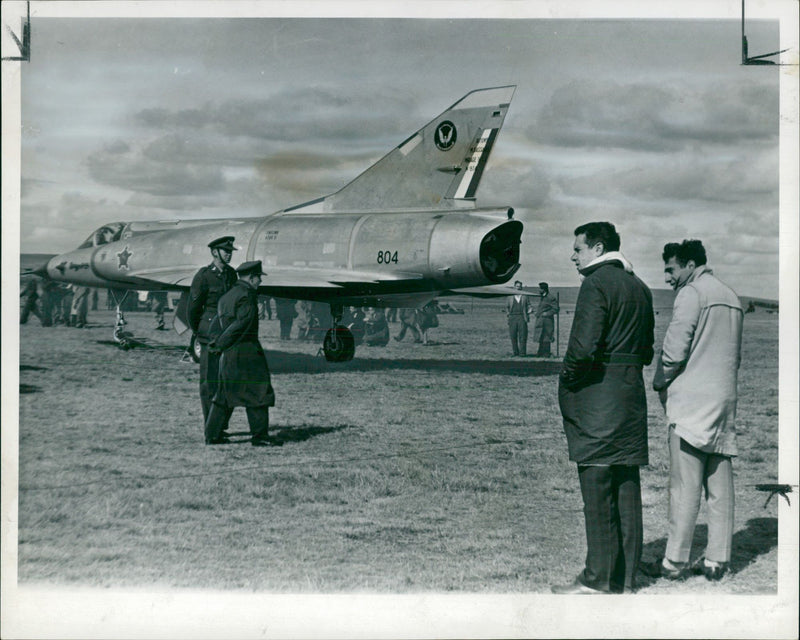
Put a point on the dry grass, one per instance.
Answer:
(411, 468)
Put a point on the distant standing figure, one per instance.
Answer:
(95, 297)
(244, 379)
(518, 309)
(286, 312)
(210, 283)
(30, 296)
(159, 299)
(264, 308)
(409, 319)
(305, 320)
(354, 321)
(46, 303)
(545, 320)
(604, 407)
(427, 319)
(696, 377)
(376, 329)
(391, 314)
(65, 308)
(80, 307)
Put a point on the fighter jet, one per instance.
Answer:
(401, 233)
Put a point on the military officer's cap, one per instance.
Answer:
(543, 285)
(225, 243)
(250, 268)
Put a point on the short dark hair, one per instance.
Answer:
(604, 232)
(685, 251)
(544, 285)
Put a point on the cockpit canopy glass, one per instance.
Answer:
(110, 232)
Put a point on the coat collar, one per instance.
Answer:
(699, 271)
(596, 265)
(612, 257)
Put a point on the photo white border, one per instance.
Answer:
(94, 613)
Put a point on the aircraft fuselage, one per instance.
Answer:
(389, 253)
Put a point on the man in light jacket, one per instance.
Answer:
(696, 377)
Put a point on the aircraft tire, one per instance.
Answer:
(339, 345)
(194, 348)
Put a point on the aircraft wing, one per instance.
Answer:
(489, 291)
(281, 277)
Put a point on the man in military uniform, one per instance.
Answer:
(208, 286)
(545, 322)
(244, 379)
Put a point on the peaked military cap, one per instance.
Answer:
(543, 285)
(253, 267)
(225, 243)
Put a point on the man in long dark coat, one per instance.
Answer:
(602, 398)
(208, 286)
(244, 379)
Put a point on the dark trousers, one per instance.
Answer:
(29, 308)
(612, 506)
(220, 414)
(286, 328)
(544, 349)
(518, 330)
(209, 378)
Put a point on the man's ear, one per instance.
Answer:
(691, 264)
(602, 247)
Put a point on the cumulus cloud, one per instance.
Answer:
(121, 166)
(514, 183)
(654, 117)
(312, 113)
(685, 176)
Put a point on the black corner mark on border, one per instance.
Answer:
(23, 44)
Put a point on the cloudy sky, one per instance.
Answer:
(651, 124)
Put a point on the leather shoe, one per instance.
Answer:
(658, 570)
(712, 573)
(575, 588)
(222, 440)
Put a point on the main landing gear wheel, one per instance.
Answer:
(339, 345)
(194, 348)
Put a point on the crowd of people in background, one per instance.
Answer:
(54, 304)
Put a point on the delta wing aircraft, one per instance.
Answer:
(401, 233)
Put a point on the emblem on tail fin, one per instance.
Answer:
(445, 136)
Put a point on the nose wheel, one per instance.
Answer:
(339, 344)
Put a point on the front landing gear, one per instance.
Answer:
(339, 344)
(121, 337)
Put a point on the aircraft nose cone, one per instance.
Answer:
(41, 271)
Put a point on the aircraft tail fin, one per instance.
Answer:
(440, 166)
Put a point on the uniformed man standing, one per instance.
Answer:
(208, 286)
(244, 379)
(545, 323)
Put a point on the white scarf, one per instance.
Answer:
(611, 255)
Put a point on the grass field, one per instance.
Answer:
(439, 468)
